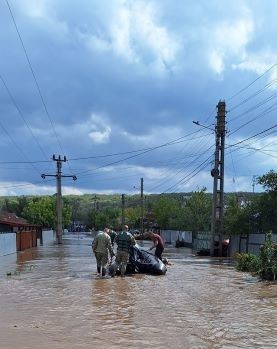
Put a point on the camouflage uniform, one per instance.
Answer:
(101, 248)
(124, 241)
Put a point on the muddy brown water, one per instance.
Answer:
(50, 298)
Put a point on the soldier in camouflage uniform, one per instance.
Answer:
(124, 241)
(102, 247)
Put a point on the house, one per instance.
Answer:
(26, 233)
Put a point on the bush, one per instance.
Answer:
(264, 265)
(268, 259)
(247, 262)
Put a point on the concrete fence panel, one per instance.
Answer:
(48, 236)
(7, 243)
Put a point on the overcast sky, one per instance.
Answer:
(115, 85)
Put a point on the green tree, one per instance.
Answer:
(166, 211)
(268, 201)
(107, 217)
(197, 211)
(269, 181)
(43, 211)
(132, 215)
(237, 215)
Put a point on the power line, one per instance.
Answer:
(192, 174)
(251, 83)
(173, 142)
(188, 164)
(263, 113)
(34, 76)
(136, 155)
(17, 147)
(253, 95)
(257, 134)
(20, 113)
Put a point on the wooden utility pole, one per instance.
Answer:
(218, 176)
(59, 176)
(141, 206)
(122, 210)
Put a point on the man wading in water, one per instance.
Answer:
(157, 242)
(124, 241)
(102, 246)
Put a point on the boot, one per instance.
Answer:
(103, 272)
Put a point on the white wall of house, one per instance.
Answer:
(7, 243)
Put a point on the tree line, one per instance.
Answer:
(243, 212)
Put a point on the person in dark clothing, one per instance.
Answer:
(124, 241)
(158, 243)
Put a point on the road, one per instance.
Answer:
(50, 297)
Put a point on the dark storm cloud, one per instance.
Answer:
(117, 76)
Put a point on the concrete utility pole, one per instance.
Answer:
(122, 210)
(218, 175)
(96, 203)
(253, 183)
(141, 206)
(59, 176)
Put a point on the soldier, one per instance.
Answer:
(124, 241)
(102, 247)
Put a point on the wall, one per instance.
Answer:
(171, 236)
(48, 236)
(7, 243)
(254, 241)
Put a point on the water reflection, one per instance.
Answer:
(59, 303)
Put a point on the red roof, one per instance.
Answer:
(11, 219)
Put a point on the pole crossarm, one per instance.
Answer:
(55, 175)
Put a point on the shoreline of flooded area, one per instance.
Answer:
(53, 299)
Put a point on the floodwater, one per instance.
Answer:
(50, 298)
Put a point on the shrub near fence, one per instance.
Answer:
(264, 265)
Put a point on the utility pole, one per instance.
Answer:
(96, 204)
(59, 176)
(218, 176)
(122, 210)
(253, 183)
(141, 206)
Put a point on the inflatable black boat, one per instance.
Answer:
(142, 261)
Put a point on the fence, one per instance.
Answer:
(7, 243)
(201, 241)
(11, 242)
(173, 236)
(248, 243)
(47, 236)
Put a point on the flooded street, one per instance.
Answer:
(52, 299)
